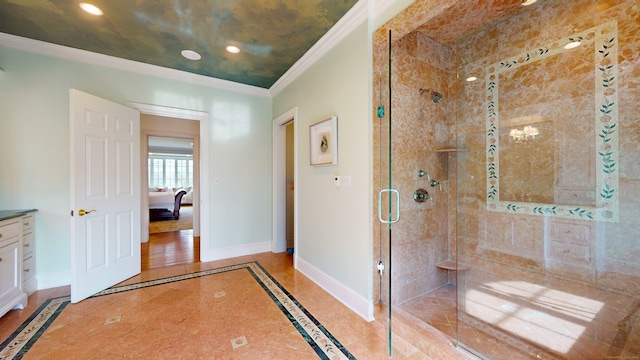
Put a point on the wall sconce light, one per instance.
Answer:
(528, 133)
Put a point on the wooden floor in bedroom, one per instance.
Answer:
(170, 248)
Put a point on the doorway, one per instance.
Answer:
(171, 173)
(171, 170)
(289, 174)
(172, 122)
(285, 173)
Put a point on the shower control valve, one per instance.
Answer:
(433, 183)
(421, 195)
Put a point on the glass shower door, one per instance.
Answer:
(387, 197)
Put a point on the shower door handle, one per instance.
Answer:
(391, 220)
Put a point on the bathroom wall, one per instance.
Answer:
(37, 136)
(419, 129)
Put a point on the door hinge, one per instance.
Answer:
(380, 267)
(71, 212)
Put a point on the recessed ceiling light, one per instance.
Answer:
(472, 78)
(191, 55)
(91, 9)
(528, 2)
(572, 45)
(233, 49)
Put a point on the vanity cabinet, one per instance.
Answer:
(17, 254)
(28, 253)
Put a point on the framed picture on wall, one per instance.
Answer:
(323, 142)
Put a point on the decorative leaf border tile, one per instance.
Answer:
(604, 39)
(323, 343)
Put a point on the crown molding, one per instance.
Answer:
(361, 11)
(354, 17)
(337, 33)
(381, 5)
(64, 52)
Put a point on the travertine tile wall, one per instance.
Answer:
(602, 254)
(419, 128)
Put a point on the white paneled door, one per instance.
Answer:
(105, 193)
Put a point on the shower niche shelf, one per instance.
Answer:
(451, 150)
(445, 159)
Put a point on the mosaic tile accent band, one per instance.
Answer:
(320, 339)
(604, 39)
(17, 345)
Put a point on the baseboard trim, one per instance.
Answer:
(352, 300)
(30, 286)
(235, 251)
(52, 280)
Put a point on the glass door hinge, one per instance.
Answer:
(380, 267)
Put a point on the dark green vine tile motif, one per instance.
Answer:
(603, 40)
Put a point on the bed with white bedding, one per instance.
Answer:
(161, 200)
(165, 203)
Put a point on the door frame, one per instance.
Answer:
(279, 236)
(203, 118)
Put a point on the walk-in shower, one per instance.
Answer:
(531, 250)
(436, 97)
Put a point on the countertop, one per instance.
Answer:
(10, 214)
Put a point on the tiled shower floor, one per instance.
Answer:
(613, 332)
(436, 308)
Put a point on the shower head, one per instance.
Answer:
(435, 96)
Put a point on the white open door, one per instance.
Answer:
(105, 193)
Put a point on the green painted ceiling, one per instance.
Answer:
(272, 34)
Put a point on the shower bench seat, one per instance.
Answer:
(451, 265)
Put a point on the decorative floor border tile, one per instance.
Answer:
(320, 339)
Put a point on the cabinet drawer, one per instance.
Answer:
(9, 231)
(28, 244)
(28, 268)
(28, 221)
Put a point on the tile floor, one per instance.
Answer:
(187, 321)
(231, 319)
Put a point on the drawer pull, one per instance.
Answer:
(26, 224)
(26, 245)
(0, 235)
(0, 259)
(26, 270)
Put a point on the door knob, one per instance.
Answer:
(83, 212)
